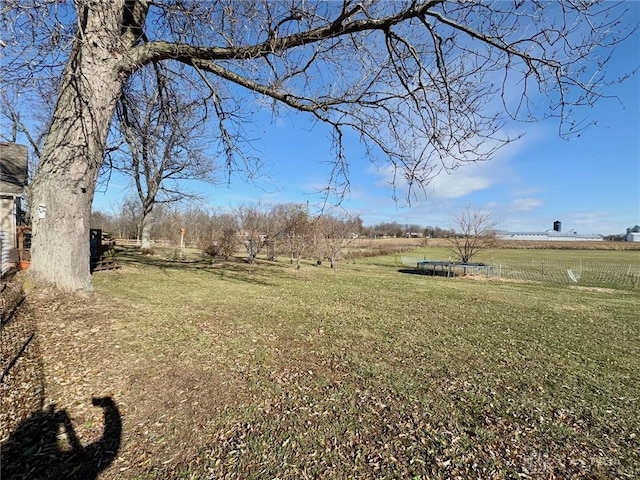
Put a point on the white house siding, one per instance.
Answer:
(8, 248)
(13, 178)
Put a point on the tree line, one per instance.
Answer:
(269, 230)
(127, 222)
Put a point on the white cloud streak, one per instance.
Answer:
(525, 204)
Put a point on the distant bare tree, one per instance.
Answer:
(227, 235)
(337, 232)
(164, 135)
(223, 239)
(198, 224)
(34, 134)
(252, 223)
(387, 229)
(474, 232)
(128, 219)
(425, 84)
(300, 232)
(104, 221)
(276, 225)
(168, 221)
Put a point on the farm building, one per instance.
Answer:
(551, 236)
(633, 234)
(13, 179)
(554, 235)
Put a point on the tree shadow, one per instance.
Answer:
(46, 446)
(234, 268)
(132, 256)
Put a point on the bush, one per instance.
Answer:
(227, 243)
(213, 250)
(225, 246)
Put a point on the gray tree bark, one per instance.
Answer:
(147, 224)
(64, 186)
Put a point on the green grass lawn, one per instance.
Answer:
(374, 373)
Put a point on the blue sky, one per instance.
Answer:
(591, 183)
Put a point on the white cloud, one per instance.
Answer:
(444, 185)
(458, 184)
(525, 204)
(470, 177)
(527, 192)
(596, 222)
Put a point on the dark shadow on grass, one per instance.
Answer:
(428, 273)
(233, 269)
(33, 450)
(411, 271)
(130, 256)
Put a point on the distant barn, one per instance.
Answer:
(633, 234)
(551, 236)
(555, 235)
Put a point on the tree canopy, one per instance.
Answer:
(426, 85)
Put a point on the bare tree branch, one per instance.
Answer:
(426, 85)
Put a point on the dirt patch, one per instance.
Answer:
(483, 278)
(598, 289)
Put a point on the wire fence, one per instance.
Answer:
(591, 273)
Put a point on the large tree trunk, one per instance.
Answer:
(64, 185)
(147, 223)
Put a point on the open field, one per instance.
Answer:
(589, 267)
(237, 371)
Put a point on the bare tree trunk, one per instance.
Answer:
(146, 224)
(334, 265)
(72, 154)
